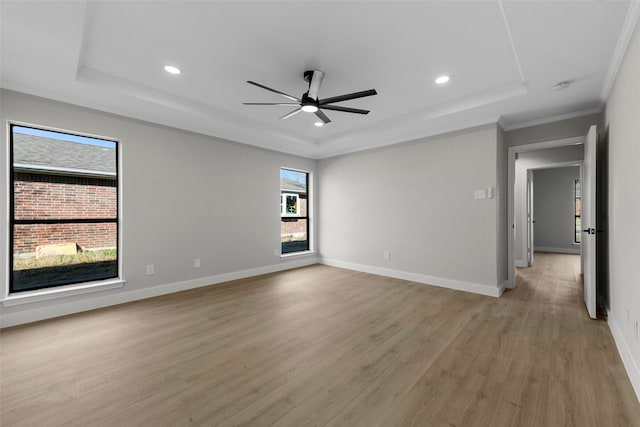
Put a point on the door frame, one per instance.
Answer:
(529, 214)
(512, 153)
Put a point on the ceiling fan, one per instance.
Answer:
(310, 103)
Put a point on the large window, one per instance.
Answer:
(64, 209)
(577, 211)
(294, 219)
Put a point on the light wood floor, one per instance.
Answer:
(325, 346)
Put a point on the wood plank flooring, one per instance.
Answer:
(323, 346)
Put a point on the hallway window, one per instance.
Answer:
(577, 224)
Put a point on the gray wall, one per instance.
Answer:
(622, 118)
(553, 209)
(553, 155)
(415, 200)
(502, 200)
(578, 126)
(185, 196)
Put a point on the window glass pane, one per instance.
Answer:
(294, 235)
(65, 209)
(47, 255)
(294, 230)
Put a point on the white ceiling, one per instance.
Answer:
(502, 56)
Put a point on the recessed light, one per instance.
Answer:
(318, 124)
(171, 69)
(442, 80)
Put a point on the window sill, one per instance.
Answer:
(61, 292)
(297, 255)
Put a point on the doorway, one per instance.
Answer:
(522, 160)
(520, 242)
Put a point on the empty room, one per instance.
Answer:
(319, 213)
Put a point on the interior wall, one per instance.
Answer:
(185, 196)
(416, 202)
(568, 128)
(622, 123)
(554, 209)
(502, 200)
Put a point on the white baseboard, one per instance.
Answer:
(557, 250)
(71, 307)
(503, 287)
(476, 288)
(630, 364)
(521, 263)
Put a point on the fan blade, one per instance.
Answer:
(345, 109)
(323, 117)
(314, 84)
(271, 103)
(348, 96)
(293, 98)
(293, 113)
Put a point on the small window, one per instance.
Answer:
(294, 203)
(289, 204)
(577, 211)
(63, 209)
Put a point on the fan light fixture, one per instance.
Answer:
(309, 101)
(171, 69)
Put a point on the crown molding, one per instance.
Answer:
(550, 119)
(621, 48)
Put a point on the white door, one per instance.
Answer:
(530, 220)
(588, 221)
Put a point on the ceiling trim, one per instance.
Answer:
(227, 125)
(550, 119)
(621, 47)
(511, 41)
(476, 100)
(440, 131)
(82, 47)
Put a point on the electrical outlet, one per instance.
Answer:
(196, 263)
(150, 269)
(386, 255)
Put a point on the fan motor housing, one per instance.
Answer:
(308, 75)
(307, 100)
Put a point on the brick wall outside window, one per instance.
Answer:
(295, 227)
(39, 196)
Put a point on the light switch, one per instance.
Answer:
(490, 193)
(480, 194)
